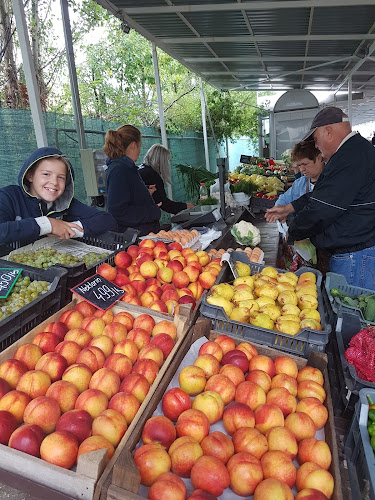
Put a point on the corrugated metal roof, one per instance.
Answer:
(264, 44)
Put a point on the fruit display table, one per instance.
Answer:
(120, 479)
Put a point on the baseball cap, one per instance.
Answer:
(326, 116)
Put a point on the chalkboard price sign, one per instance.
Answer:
(245, 159)
(8, 277)
(99, 292)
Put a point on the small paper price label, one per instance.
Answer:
(8, 278)
(216, 213)
(99, 292)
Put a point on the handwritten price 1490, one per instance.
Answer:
(104, 292)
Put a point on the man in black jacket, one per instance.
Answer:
(339, 215)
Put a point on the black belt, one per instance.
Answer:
(355, 248)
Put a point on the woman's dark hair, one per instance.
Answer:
(117, 141)
(304, 149)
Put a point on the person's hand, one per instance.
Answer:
(190, 205)
(62, 229)
(152, 189)
(159, 204)
(279, 212)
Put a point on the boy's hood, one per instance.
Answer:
(64, 201)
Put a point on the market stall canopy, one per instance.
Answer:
(266, 44)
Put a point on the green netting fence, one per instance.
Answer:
(18, 141)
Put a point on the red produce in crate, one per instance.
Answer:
(361, 353)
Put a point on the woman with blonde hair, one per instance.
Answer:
(155, 172)
(128, 199)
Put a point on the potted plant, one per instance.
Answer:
(241, 188)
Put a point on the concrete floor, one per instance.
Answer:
(7, 493)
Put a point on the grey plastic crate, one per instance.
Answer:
(301, 344)
(348, 324)
(359, 454)
(334, 280)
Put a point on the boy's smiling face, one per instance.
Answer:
(48, 180)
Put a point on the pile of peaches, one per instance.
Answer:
(160, 276)
(238, 420)
(77, 386)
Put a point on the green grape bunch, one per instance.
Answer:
(23, 292)
(91, 258)
(48, 256)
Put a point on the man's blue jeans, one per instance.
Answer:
(357, 267)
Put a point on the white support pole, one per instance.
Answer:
(350, 100)
(29, 69)
(260, 135)
(164, 139)
(73, 75)
(204, 125)
(272, 136)
(227, 149)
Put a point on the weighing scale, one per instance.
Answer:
(197, 216)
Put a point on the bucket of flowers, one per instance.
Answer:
(241, 187)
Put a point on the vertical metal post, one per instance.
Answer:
(221, 164)
(260, 135)
(164, 139)
(29, 69)
(273, 139)
(350, 99)
(204, 125)
(227, 148)
(73, 74)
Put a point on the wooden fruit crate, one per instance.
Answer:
(124, 480)
(48, 481)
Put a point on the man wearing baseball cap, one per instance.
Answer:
(339, 215)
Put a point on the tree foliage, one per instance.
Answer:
(115, 74)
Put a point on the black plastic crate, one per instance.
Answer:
(262, 203)
(28, 317)
(110, 240)
(348, 325)
(301, 344)
(360, 456)
(114, 242)
(343, 400)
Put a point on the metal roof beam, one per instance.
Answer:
(282, 88)
(359, 49)
(357, 65)
(196, 33)
(267, 5)
(266, 58)
(291, 82)
(244, 72)
(303, 70)
(311, 17)
(267, 38)
(108, 5)
(250, 29)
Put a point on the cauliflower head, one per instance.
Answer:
(246, 233)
